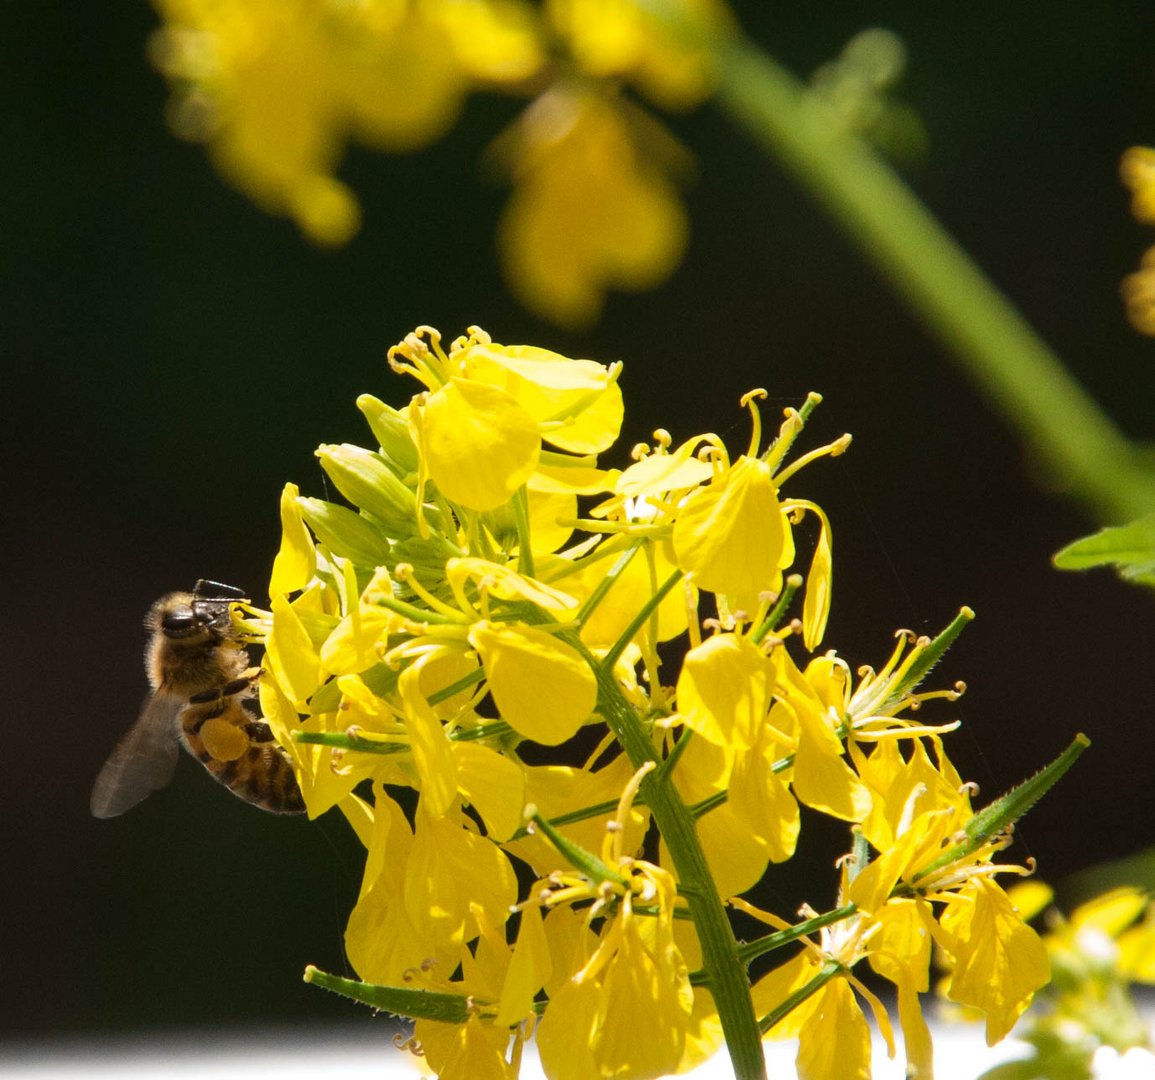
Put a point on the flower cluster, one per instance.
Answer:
(476, 638)
(277, 88)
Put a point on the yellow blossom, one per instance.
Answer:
(591, 208)
(998, 962)
(731, 534)
(630, 1004)
(276, 87)
(543, 688)
(613, 38)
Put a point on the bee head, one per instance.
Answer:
(186, 615)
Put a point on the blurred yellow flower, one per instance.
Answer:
(593, 206)
(278, 87)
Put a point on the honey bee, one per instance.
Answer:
(199, 672)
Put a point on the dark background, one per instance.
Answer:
(171, 356)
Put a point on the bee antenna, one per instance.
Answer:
(220, 589)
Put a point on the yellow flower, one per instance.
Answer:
(998, 962)
(614, 38)
(276, 87)
(488, 408)
(593, 206)
(423, 894)
(627, 1011)
(833, 1035)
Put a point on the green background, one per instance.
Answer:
(171, 357)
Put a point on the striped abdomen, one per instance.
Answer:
(239, 750)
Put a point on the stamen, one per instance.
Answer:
(404, 572)
(833, 449)
(748, 401)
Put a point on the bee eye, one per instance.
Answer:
(178, 620)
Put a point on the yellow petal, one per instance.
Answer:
(542, 687)
(1112, 912)
(529, 971)
(494, 785)
(290, 654)
(776, 986)
(730, 534)
(647, 1011)
(834, 1042)
(570, 941)
(380, 941)
(432, 753)
(763, 803)
(576, 403)
(999, 961)
(352, 647)
(450, 869)
(816, 606)
(474, 1050)
(822, 779)
(478, 444)
(724, 689)
(900, 950)
(567, 1030)
(296, 561)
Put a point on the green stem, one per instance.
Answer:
(825, 974)
(1085, 452)
(639, 620)
(724, 968)
(751, 950)
(1087, 455)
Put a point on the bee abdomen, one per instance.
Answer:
(261, 776)
(244, 757)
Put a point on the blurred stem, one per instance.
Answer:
(1085, 455)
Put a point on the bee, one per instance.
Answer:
(199, 672)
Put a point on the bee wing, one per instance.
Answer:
(143, 761)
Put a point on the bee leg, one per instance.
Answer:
(217, 723)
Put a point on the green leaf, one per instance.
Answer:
(417, 1004)
(1129, 548)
